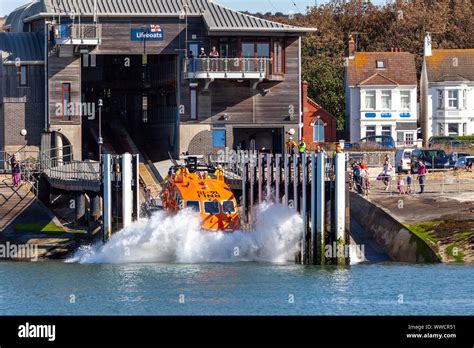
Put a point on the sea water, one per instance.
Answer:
(166, 266)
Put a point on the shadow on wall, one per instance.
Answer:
(201, 144)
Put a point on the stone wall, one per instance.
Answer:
(394, 238)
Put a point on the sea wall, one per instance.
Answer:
(393, 237)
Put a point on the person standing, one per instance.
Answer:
(214, 55)
(16, 172)
(291, 145)
(409, 182)
(422, 176)
(387, 174)
(302, 146)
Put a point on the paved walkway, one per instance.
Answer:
(13, 201)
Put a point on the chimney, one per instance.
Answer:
(304, 95)
(352, 47)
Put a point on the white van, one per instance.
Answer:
(403, 160)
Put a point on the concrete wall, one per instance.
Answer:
(396, 240)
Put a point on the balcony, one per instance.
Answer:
(79, 34)
(257, 69)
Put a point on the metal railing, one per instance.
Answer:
(226, 66)
(80, 32)
(454, 184)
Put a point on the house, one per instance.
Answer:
(381, 95)
(140, 59)
(447, 92)
(319, 125)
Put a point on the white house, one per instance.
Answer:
(447, 86)
(381, 95)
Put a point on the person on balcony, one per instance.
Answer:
(214, 55)
(203, 53)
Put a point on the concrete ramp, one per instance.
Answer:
(372, 252)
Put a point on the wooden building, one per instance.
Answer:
(142, 59)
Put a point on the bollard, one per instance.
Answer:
(340, 203)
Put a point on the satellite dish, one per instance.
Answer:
(292, 131)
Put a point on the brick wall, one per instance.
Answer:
(22, 115)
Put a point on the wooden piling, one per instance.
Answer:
(277, 178)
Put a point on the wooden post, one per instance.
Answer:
(260, 178)
(319, 185)
(340, 204)
(295, 182)
(277, 177)
(244, 190)
(304, 256)
(269, 178)
(287, 179)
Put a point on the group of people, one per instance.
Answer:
(213, 55)
(386, 177)
(292, 146)
(360, 177)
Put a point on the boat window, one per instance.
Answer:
(211, 207)
(228, 207)
(193, 205)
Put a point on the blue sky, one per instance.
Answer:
(285, 6)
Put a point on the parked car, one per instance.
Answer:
(376, 141)
(446, 141)
(454, 156)
(462, 161)
(403, 160)
(433, 158)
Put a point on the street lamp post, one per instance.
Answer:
(100, 141)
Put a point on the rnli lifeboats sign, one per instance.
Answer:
(153, 33)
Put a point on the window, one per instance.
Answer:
(194, 206)
(23, 76)
(409, 139)
(453, 129)
(218, 137)
(277, 57)
(453, 99)
(440, 99)
(370, 100)
(440, 129)
(386, 131)
(380, 64)
(370, 131)
(386, 100)
(318, 131)
(211, 207)
(405, 100)
(66, 101)
(228, 207)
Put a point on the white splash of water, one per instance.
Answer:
(179, 239)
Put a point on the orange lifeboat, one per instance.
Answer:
(202, 189)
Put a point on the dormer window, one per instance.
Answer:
(380, 64)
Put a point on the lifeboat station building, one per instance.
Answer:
(143, 74)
